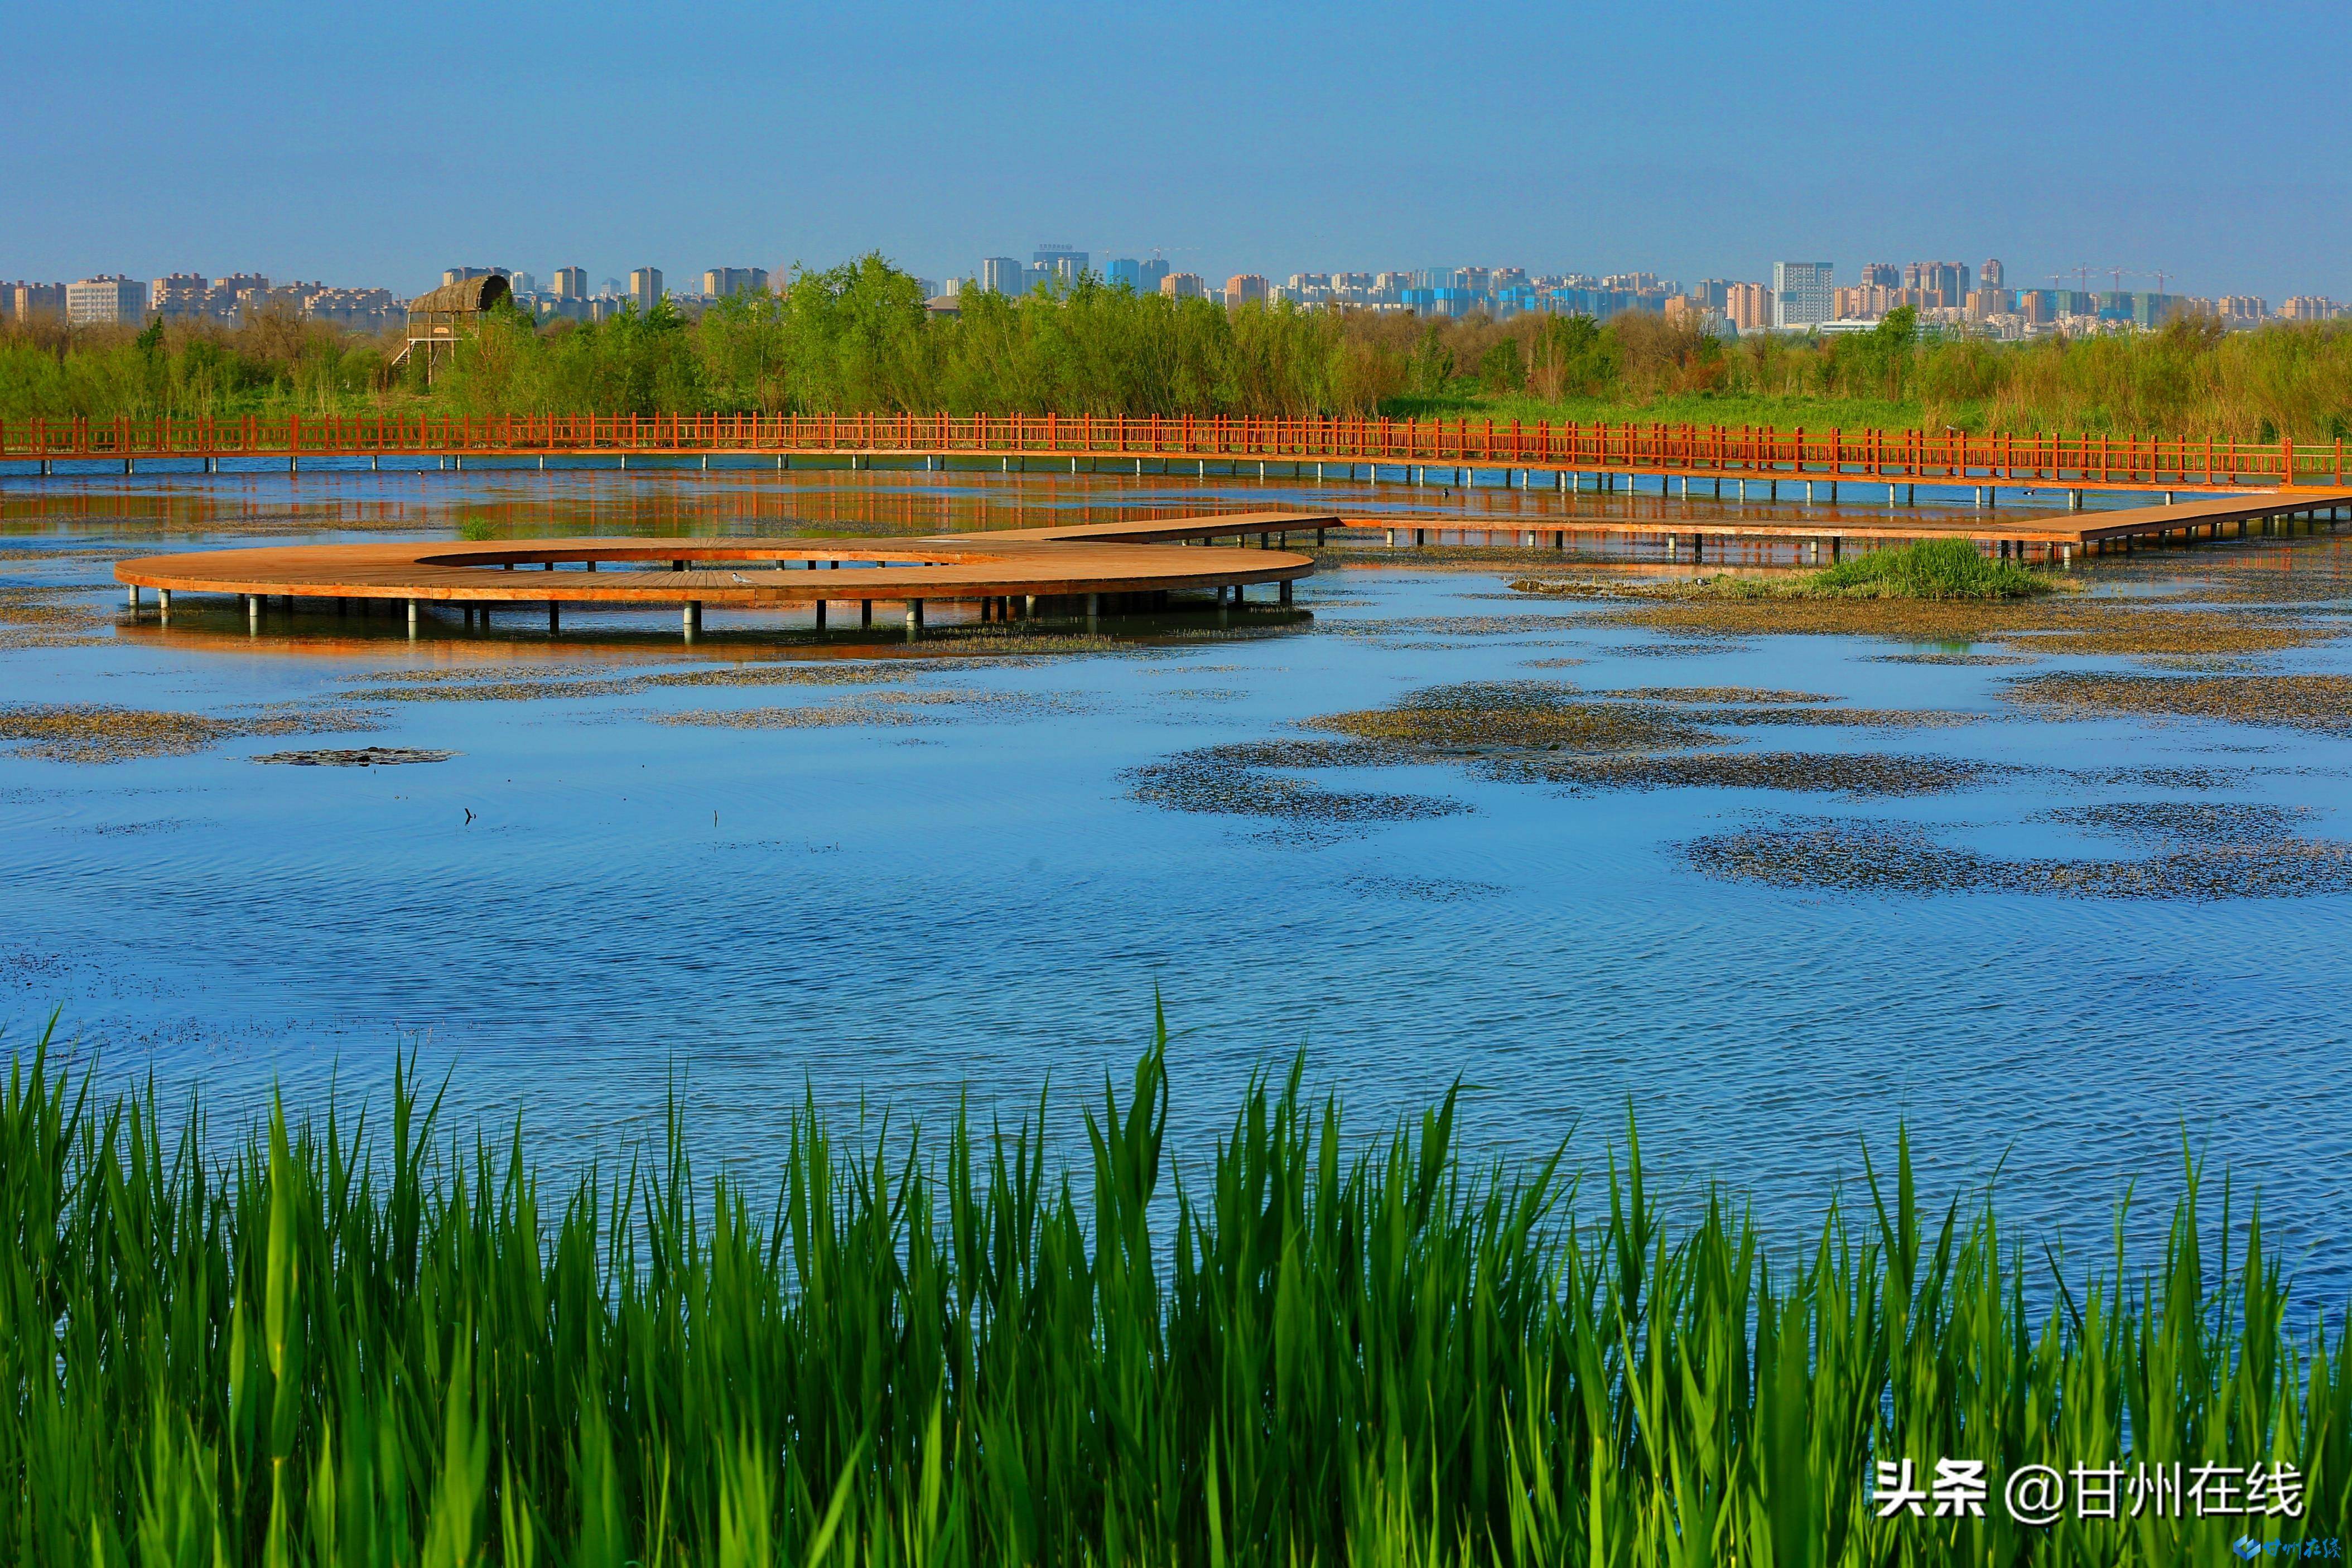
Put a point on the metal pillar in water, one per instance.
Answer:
(412, 620)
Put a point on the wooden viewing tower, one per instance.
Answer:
(440, 318)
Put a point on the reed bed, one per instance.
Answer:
(376, 1340)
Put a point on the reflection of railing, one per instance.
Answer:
(1713, 451)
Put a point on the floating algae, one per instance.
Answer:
(1880, 857)
(2296, 701)
(92, 732)
(1863, 774)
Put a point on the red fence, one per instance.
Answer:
(1712, 450)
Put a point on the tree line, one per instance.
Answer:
(859, 338)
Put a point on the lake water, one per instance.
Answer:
(954, 883)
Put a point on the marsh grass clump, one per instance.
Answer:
(96, 732)
(322, 1340)
(2295, 702)
(1903, 859)
(1928, 569)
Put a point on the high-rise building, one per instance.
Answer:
(236, 286)
(1003, 274)
(721, 281)
(1991, 274)
(1938, 283)
(1882, 275)
(450, 275)
(1711, 293)
(1748, 307)
(1059, 263)
(1800, 294)
(571, 283)
(1123, 270)
(1150, 275)
(645, 288)
(182, 295)
(1184, 285)
(104, 300)
(522, 283)
(1246, 287)
(25, 303)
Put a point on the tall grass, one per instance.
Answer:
(378, 1342)
(1927, 568)
(857, 338)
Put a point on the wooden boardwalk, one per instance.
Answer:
(1417, 450)
(2058, 538)
(1087, 569)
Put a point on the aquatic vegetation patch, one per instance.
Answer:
(2069, 626)
(2297, 702)
(360, 756)
(1859, 774)
(1897, 858)
(1452, 625)
(1963, 661)
(882, 708)
(493, 690)
(1929, 569)
(1714, 694)
(1533, 716)
(1422, 889)
(1837, 717)
(96, 732)
(1238, 781)
(814, 716)
(2187, 821)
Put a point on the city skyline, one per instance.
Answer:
(2037, 136)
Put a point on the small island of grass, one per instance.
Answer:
(1926, 568)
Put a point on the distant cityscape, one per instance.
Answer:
(1801, 296)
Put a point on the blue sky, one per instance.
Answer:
(377, 145)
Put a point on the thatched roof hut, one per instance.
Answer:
(450, 308)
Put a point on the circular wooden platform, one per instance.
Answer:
(1151, 556)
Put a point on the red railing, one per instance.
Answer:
(1706, 451)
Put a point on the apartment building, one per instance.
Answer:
(107, 299)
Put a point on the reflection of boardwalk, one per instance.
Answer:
(1088, 570)
(1878, 464)
(2054, 539)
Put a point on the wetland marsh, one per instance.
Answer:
(2060, 881)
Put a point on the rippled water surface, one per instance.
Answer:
(957, 880)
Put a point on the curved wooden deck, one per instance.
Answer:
(1115, 560)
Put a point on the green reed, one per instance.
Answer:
(1928, 569)
(371, 1343)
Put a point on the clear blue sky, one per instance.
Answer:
(376, 145)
